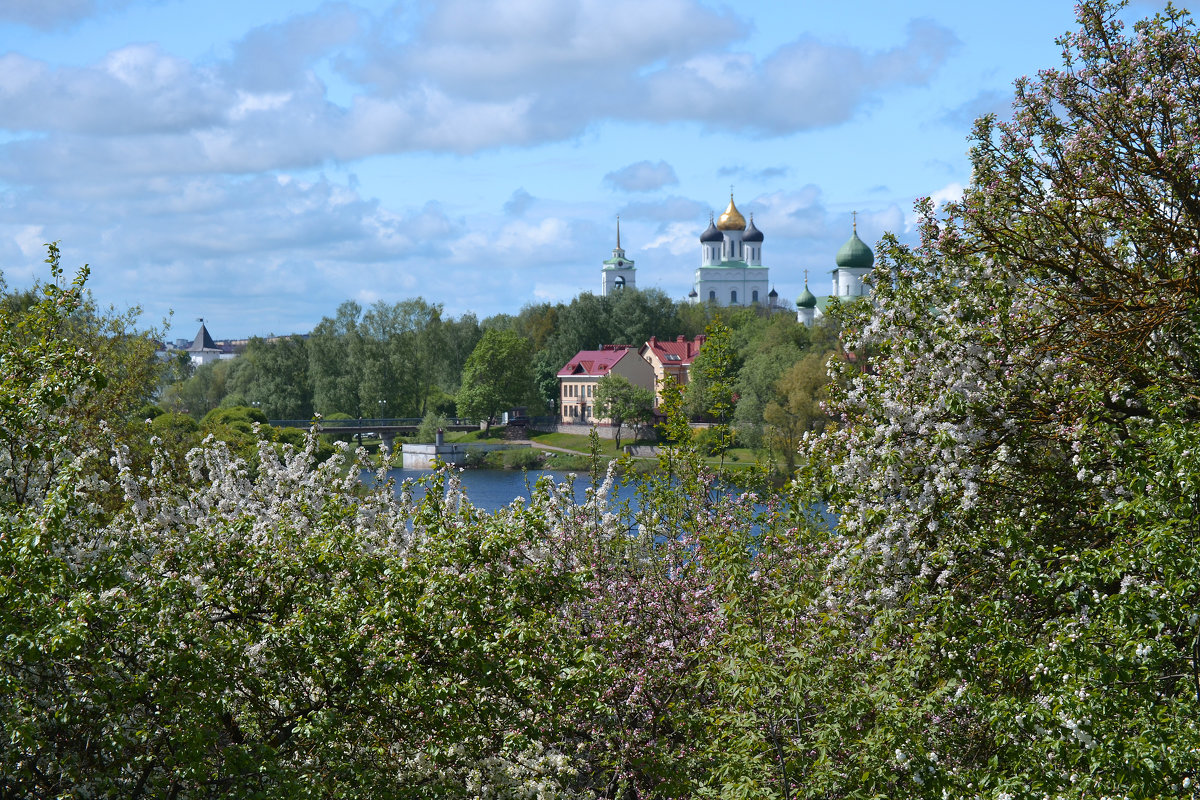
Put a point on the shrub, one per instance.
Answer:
(711, 443)
(522, 458)
(427, 430)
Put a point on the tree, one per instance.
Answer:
(621, 401)
(496, 375)
(204, 390)
(767, 350)
(334, 362)
(273, 375)
(1014, 583)
(70, 374)
(795, 406)
(711, 391)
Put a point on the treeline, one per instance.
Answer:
(406, 359)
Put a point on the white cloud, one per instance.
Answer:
(795, 214)
(678, 239)
(950, 193)
(471, 76)
(31, 239)
(802, 85)
(642, 176)
(666, 210)
(275, 58)
(50, 14)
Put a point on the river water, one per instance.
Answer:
(490, 489)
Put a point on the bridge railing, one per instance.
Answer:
(366, 424)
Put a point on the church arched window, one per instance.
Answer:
(754, 296)
(712, 295)
(733, 296)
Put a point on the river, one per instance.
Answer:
(490, 489)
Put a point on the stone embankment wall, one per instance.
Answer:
(603, 431)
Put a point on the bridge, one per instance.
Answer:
(387, 429)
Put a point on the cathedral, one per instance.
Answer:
(854, 263)
(731, 272)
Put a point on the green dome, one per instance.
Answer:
(806, 299)
(854, 254)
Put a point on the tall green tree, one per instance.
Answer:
(767, 350)
(796, 406)
(497, 375)
(273, 376)
(334, 350)
(620, 400)
(712, 389)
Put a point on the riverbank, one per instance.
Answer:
(570, 452)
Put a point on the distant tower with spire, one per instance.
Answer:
(731, 272)
(618, 272)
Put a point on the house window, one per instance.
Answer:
(733, 296)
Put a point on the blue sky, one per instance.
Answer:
(257, 163)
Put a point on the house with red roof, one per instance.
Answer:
(577, 380)
(673, 358)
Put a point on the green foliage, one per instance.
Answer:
(1007, 608)
(273, 375)
(619, 400)
(522, 458)
(497, 375)
(70, 376)
(675, 429)
(712, 390)
(235, 415)
(1014, 593)
(427, 430)
(711, 442)
(203, 391)
(767, 350)
(714, 374)
(795, 407)
(148, 411)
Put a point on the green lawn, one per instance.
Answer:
(737, 457)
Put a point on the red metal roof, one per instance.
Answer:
(680, 352)
(595, 363)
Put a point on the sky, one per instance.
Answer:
(257, 163)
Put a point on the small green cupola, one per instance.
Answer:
(807, 299)
(855, 254)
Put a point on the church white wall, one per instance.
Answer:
(610, 280)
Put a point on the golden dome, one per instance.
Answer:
(732, 219)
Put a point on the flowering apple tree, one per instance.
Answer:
(1015, 471)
